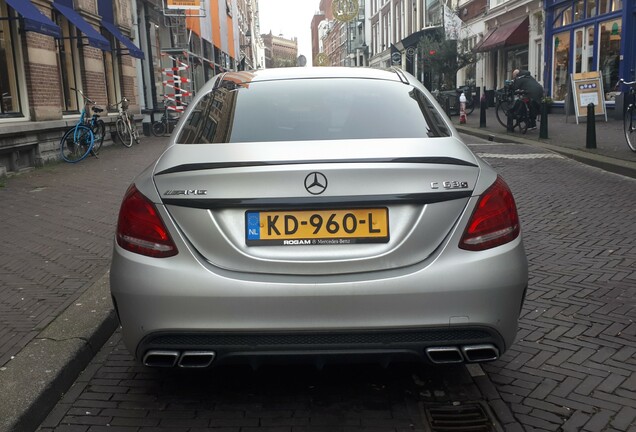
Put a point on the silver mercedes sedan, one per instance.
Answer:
(320, 214)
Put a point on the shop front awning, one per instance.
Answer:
(132, 48)
(94, 38)
(33, 19)
(512, 33)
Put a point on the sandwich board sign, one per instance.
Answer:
(587, 88)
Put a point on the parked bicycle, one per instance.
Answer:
(125, 124)
(516, 104)
(77, 142)
(505, 101)
(629, 119)
(166, 124)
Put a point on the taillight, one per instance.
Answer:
(140, 229)
(495, 220)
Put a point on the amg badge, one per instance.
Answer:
(186, 192)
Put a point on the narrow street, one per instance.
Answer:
(572, 367)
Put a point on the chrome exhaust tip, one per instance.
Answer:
(480, 353)
(163, 359)
(196, 359)
(444, 355)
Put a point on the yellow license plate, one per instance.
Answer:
(317, 227)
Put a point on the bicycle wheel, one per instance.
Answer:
(629, 126)
(158, 128)
(503, 107)
(470, 106)
(123, 132)
(76, 143)
(135, 132)
(99, 132)
(523, 118)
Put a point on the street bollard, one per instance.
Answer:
(447, 106)
(462, 108)
(543, 129)
(590, 136)
(483, 106)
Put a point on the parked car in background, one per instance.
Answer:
(319, 214)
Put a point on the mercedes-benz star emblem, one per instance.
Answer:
(315, 183)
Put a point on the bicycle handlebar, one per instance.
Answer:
(84, 96)
(122, 102)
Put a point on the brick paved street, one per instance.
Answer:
(57, 236)
(573, 367)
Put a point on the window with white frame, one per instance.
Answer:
(9, 65)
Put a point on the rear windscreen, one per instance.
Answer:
(312, 109)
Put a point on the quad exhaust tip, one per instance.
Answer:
(185, 359)
(467, 353)
(164, 359)
(196, 359)
(480, 353)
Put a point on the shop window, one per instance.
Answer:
(604, 6)
(516, 59)
(9, 93)
(609, 54)
(563, 17)
(69, 65)
(561, 50)
(579, 10)
(617, 5)
(590, 8)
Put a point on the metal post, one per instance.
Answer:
(590, 137)
(447, 105)
(483, 106)
(543, 129)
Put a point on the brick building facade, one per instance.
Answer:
(110, 49)
(48, 48)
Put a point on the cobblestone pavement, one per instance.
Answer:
(573, 366)
(571, 369)
(57, 236)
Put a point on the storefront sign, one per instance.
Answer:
(587, 88)
(184, 4)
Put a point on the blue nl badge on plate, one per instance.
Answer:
(253, 225)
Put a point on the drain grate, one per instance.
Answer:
(460, 418)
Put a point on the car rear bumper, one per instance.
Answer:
(182, 305)
(435, 345)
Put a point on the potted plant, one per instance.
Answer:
(548, 101)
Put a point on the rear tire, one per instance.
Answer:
(123, 132)
(523, 118)
(75, 146)
(470, 106)
(99, 132)
(629, 126)
(158, 128)
(502, 112)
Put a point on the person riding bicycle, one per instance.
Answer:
(523, 80)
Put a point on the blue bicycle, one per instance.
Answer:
(77, 143)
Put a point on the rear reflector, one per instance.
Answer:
(140, 229)
(495, 220)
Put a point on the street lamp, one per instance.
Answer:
(248, 37)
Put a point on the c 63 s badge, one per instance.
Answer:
(453, 184)
(185, 192)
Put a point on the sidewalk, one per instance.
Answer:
(57, 231)
(565, 136)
